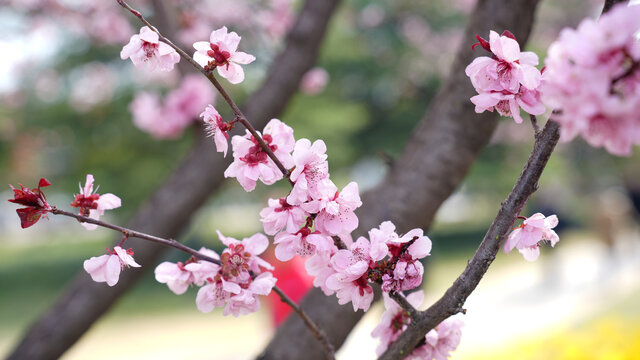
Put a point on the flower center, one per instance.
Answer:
(255, 155)
(219, 57)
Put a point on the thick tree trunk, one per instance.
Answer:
(171, 206)
(434, 162)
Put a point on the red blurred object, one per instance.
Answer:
(293, 280)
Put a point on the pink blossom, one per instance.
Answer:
(314, 81)
(203, 271)
(281, 215)
(216, 294)
(394, 320)
(252, 163)
(106, 268)
(319, 267)
(350, 282)
(242, 256)
(303, 243)
(247, 301)
(527, 237)
(441, 341)
(507, 69)
(216, 128)
(337, 215)
(175, 276)
(407, 275)
(351, 289)
(508, 80)
(508, 104)
(145, 49)
(601, 107)
(93, 204)
(221, 52)
(311, 168)
(179, 276)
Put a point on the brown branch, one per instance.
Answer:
(317, 332)
(170, 207)
(453, 299)
(140, 235)
(401, 300)
(209, 75)
(609, 4)
(534, 124)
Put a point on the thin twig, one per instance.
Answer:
(315, 330)
(404, 304)
(209, 74)
(534, 124)
(132, 233)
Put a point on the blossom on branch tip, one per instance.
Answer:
(106, 268)
(34, 200)
(220, 52)
(216, 128)
(92, 204)
(506, 81)
(146, 50)
(528, 236)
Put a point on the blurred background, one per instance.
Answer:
(70, 106)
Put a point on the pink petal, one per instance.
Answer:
(232, 72)
(242, 58)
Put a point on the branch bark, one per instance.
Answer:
(434, 162)
(454, 298)
(169, 209)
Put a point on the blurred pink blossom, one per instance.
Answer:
(592, 78)
(314, 81)
(166, 119)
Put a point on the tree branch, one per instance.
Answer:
(453, 299)
(209, 75)
(317, 332)
(170, 207)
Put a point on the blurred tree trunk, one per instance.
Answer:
(436, 159)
